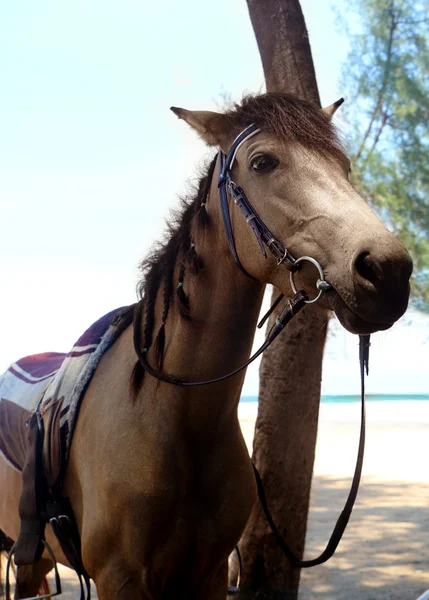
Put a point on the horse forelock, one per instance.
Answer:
(287, 118)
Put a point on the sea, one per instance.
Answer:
(356, 398)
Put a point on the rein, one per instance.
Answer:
(344, 517)
(266, 239)
(293, 307)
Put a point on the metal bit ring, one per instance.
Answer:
(321, 284)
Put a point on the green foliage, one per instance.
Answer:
(386, 84)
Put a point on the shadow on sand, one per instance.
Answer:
(384, 554)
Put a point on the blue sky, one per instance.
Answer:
(91, 159)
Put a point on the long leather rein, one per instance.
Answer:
(267, 240)
(294, 305)
(344, 517)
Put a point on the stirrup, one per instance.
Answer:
(58, 590)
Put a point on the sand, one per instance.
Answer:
(384, 554)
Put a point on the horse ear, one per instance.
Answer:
(329, 111)
(213, 127)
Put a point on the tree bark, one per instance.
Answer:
(284, 47)
(290, 373)
(283, 451)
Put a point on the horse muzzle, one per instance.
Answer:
(377, 291)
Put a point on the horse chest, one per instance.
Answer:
(190, 538)
(211, 491)
(180, 503)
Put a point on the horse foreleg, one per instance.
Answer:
(31, 579)
(115, 582)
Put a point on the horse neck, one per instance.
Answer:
(224, 307)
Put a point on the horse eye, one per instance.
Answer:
(264, 163)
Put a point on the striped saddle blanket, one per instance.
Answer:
(53, 383)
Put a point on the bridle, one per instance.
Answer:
(263, 235)
(267, 241)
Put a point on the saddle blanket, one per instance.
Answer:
(43, 380)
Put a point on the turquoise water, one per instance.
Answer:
(356, 398)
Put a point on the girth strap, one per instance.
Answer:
(39, 505)
(60, 514)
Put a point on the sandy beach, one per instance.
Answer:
(384, 554)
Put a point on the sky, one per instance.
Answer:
(92, 161)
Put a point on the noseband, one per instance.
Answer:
(267, 240)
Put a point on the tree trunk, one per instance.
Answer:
(283, 451)
(283, 44)
(290, 373)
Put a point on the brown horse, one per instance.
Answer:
(159, 477)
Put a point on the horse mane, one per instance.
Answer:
(159, 267)
(283, 116)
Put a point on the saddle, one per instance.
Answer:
(40, 398)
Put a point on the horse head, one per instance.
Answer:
(296, 176)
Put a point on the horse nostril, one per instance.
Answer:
(368, 268)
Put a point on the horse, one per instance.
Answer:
(158, 475)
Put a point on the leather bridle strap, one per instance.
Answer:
(341, 524)
(224, 205)
(263, 235)
(292, 308)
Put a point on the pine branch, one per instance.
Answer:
(379, 104)
(419, 22)
(383, 122)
